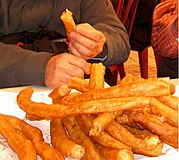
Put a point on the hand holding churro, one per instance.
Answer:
(84, 40)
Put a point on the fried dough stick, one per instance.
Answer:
(46, 111)
(138, 132)
(170, 100)
(64, 100)
(51, 111)
(46, 152)
(107, 105)
(79, 84)
(152, 153)
(103, 138)
(69, 96)
(34, 134)
(168, 113)
(68, 22)
(56, 95)
(129, 78)
(96, 80)
(33, 117)
(147, 87)
(77, 134)
(19, 143)
(60, 92)
(61, 141)
(166, 132)
(100, 122)
(124, 121)
(82, 85)
(116, 154)
(143, 134)
(122, 134)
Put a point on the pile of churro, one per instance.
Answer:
(136, 116)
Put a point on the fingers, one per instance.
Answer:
(89, 31)
(86, 42)
(61, 68)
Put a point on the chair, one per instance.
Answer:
(128, 17)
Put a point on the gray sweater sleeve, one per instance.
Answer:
(105, 20)
(21, 67)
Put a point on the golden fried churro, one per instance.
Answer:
(170, 100)
(60, 92)
(116, 154)
(17, 141)
(152, 153)
(166, 132)
(168, 113)
(100, 122)
(107, 105)
(96, 80)
(33, 117)
(127, 79)
(46, 111)
(103, 138)
(79, 84)
(68, 22)
(61, 141)
(32, 133)
(122, 134)
(139, 133)
(46, 152)
(147, 87)
(50, 111)
(77, 134)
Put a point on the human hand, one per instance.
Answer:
(86, 42)
(61, 68)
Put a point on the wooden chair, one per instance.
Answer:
(128, 16)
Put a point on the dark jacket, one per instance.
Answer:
(25, 67)
(141, 31)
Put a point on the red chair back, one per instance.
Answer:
(125, 10)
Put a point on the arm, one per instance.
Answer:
(100, 19)
(21, 67)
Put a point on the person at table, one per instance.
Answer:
(165, 38)
(36, 28)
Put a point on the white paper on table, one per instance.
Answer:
(9, 106)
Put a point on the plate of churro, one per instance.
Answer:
(87, 119)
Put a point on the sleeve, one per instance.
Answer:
(164, 37)
(21, 67)
(103, 17)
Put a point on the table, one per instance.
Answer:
(36, 88)
(8, 95)
(43, 88)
